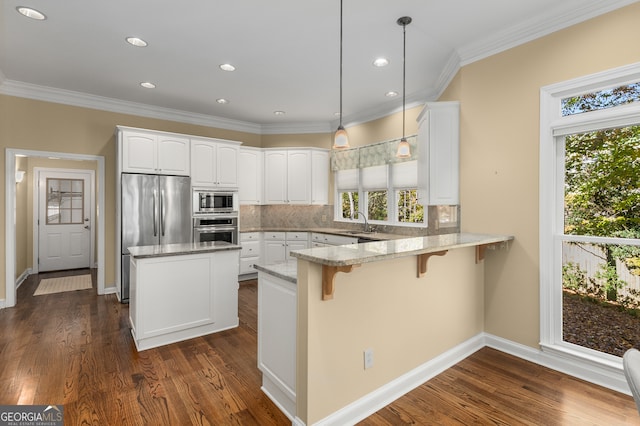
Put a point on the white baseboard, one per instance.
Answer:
(111, 290)
(605, 376)
(3, 303)
(23, 276)
(383, 396)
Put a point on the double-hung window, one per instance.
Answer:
(373, 182)
(590, 218)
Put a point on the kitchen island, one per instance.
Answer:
(377, 298)
(182, 291)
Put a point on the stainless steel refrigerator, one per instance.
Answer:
(155, 210)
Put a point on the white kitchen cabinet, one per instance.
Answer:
(439, 158)
(295, 241)
(275, 247)
(214, 163)
(287, 176)
(321, 240)
(174, 298)
(250, 253)
(154, 152)
(250, 177)
(319, 177)
(279, 245)
(277, 312)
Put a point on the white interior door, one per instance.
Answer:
(64, 220)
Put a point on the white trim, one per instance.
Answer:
(23, 276)
(591, 365)
(10, 199)
(536, 27)
(610, 377)
(36, 210)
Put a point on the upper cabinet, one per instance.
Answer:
(214, 163)
(154, 153)
(250, 177)
(319, 176)
(287, 176)
(438, 162)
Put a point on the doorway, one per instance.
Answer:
(63, 217)
(11, 278)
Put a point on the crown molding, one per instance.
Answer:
(68, 97)
(535, 28)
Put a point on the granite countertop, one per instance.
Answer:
(287, 271)
(180, 249)
(382, 250)
(334, 231)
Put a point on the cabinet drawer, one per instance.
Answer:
(246, 264)
(297, 236)
(249, 236)
(250, 248)
(277, 236)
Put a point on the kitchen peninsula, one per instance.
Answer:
(379, 298)
(182, 291)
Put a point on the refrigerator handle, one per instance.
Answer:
(162, 212)
(155, 213)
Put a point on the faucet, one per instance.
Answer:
(366, 223)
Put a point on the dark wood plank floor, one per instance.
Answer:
(75, 349)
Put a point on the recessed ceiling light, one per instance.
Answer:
(222, 101)
(31, 13)
(391, 94)
(135, 41)
(380, 62)
(279, 112)
(227, 67)
(148, 85)
(337, 114)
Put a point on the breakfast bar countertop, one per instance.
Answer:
(382, 250)
(180, 249)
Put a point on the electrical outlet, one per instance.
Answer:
(368, 358)
(324, 218)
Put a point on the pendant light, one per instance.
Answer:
(404, 149)
(340, 139)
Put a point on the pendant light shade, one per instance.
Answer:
(404, 149)
(340, 138)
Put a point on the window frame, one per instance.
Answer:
(392, 203)
(553, 129)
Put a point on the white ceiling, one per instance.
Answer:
(286, 54)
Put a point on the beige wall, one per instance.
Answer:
(406, 320)
(42, 126)
(499, 152)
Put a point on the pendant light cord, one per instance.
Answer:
(404, 72)
(340, 63)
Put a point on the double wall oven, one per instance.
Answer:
(215, 215)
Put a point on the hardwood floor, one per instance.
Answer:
(75, 349)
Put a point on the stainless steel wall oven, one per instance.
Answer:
(215, 228)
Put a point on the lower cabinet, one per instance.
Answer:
(279, 245)
(250, 254)
(277, 309)
(175, 298)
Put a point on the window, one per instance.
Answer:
(65, 201)
(370, 180)
(590, 218)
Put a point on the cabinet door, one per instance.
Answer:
(274, 252)
(139, 152)
(275, 182)
(227, 166)
(250, 176)
(295, 245)
(203, 163)
(173, 155)
(319, 177)
(299, 177)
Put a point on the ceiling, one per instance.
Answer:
(286, 54)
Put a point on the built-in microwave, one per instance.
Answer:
(206, 201)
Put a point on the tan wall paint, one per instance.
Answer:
(43, 126)
(314, 140)
(500, 151)
(406, 320)
(385, 128)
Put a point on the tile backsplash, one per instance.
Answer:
(312, 217)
